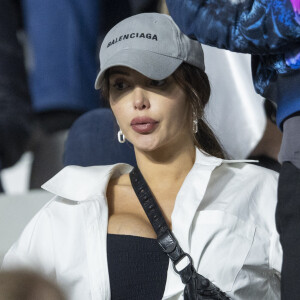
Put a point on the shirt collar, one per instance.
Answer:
(204, 158)
(83, 183)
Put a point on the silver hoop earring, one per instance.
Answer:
(121, 137)
(195, 123)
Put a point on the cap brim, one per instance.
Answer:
(150, 64)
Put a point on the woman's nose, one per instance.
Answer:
(140, 99)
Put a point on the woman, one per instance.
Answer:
(94, 237)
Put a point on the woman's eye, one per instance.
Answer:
(158, 83)
(120, 85)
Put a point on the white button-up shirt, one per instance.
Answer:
(224, 217)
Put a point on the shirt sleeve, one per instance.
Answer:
(275, 258)
(34, 248)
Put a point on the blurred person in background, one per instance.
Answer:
(270, 31)
(27, 285)
(16, 124)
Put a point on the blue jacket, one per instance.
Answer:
(267, 29)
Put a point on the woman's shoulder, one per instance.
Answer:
(246, 191)
(249, 182)
(235, 169)
(248, 171)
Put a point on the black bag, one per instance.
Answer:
(197, 287)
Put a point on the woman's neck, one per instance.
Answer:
(166, 167)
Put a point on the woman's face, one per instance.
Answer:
(151, 114)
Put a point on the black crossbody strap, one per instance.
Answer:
(148, 203)
(165, 237)
(196, 284)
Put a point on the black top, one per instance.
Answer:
(137, 267)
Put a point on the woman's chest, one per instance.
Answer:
(126, 215)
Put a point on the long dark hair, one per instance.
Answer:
(196, 85)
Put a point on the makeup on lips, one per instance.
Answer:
(143, 125)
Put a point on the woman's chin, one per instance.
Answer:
(145, 148)
(146, 145)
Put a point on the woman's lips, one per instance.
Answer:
(143, 125)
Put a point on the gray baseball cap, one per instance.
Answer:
(150, 43)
